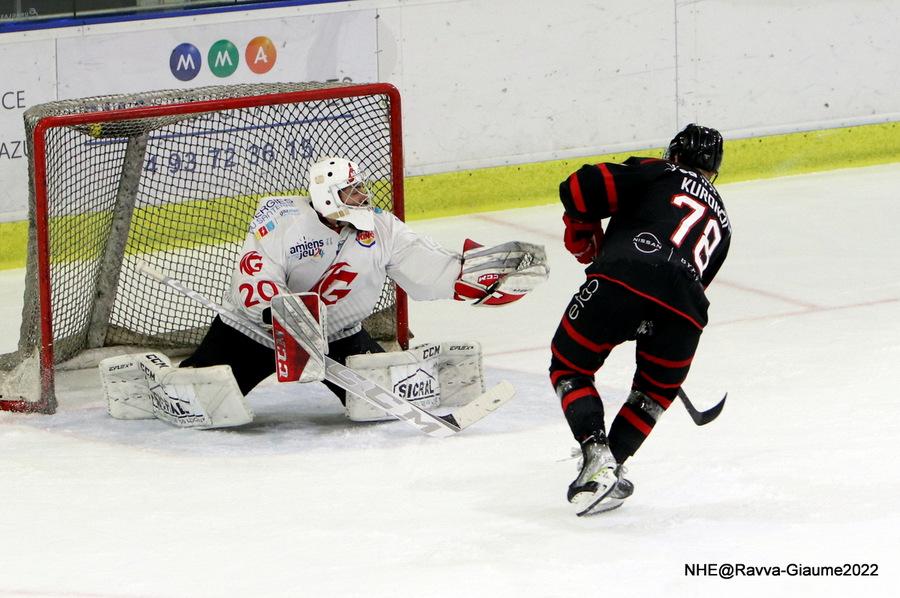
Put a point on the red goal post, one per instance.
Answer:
(173, 178)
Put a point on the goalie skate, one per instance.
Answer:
(598, 476)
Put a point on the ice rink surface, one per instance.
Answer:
(801, 467)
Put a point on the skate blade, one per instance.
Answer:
(602, 507)
(591, 501)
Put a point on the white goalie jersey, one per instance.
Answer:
(288, 249)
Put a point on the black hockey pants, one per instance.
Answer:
(600, 316)
(251, 362)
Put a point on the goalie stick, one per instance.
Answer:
(701, 417)
(351, 381)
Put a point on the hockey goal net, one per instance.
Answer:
(173, 178)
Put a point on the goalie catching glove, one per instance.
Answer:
(501, 274)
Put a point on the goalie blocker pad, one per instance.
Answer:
(298, 329)
(145, 385)
(448, 374)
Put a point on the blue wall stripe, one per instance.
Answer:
(133, 15)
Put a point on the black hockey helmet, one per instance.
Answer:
(700, 147)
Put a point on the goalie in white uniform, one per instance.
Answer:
(336, 244)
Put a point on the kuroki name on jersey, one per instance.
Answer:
(702, 190)
(366, 238)
(274, 206)
(251, 263)
(314, 249)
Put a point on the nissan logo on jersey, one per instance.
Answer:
(335, 283)
(646, 243)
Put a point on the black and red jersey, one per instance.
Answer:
(668, 232)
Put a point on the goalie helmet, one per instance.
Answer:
(338, 191)
(700, 147)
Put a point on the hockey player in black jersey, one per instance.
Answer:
(667, 236)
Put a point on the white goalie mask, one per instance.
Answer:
(338, 191)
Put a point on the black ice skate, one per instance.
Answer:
(598, 477)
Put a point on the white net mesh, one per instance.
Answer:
(178, 191)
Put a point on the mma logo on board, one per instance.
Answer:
(223, 58)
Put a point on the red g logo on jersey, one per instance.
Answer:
(251, 263)
(335, 283)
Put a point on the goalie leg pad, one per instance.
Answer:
(460, 372)
(145, 385)
(202, 398)
(412, 375)
(126, 388)
(447, 374)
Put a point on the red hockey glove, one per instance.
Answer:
(582, 239)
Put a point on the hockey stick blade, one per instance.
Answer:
(701, 418)
(480, 406)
